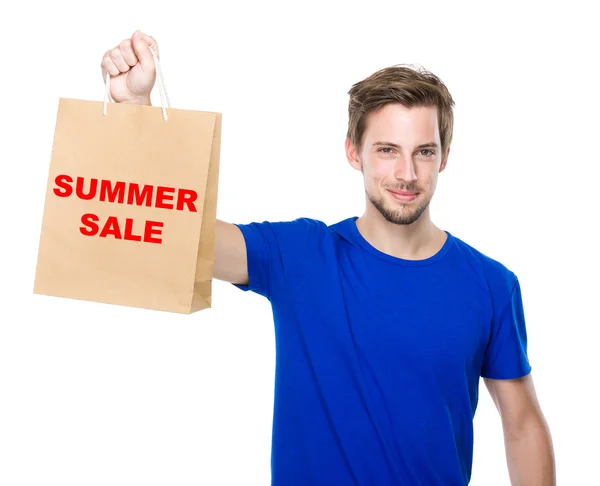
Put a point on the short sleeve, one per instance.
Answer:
(262, 247)
(506, 355)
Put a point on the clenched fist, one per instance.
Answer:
(131, 68)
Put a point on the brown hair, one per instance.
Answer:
(402, 84)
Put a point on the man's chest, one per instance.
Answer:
(434, 325)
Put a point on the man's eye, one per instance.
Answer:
(390, 150)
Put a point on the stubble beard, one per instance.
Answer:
(403, 216)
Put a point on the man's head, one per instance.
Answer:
(399, 135)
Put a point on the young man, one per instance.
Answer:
(384, 323)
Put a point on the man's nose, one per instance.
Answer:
(405, 169)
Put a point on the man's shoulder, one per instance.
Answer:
(296, 227)
(300, 235)
(499, 278)
(486, 259)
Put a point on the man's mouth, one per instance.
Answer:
(404, 196)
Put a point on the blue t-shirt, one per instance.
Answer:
(378, 358)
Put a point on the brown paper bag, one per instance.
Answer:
(130, 210)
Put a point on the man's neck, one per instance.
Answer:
(416, 241)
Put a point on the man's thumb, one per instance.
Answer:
(142, 44)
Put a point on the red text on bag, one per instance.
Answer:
(162, 197)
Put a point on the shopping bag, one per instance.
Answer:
(130, 210)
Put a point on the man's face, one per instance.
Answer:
(400, 159)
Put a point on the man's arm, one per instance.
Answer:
(527, 438)
(230, 263)
(132, 70)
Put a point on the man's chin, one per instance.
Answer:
(397, 212)
(401, 217)
(404, 215)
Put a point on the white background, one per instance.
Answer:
(93, 394)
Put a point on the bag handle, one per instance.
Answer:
(164, 98)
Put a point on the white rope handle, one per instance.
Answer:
(164, 98)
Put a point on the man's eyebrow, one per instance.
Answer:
(395, 145)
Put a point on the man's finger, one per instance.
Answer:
(127, 52)
(117, 58)
(109, 66)
(142, 44)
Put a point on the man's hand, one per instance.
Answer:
(132, 70)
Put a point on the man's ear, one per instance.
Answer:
(445, 160)
(352, 155)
